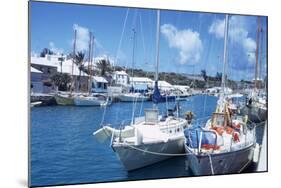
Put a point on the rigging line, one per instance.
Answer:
(157, 153)
(205, 62)
(122, 34)
(103, 116)
(141, 106)
(141, 28)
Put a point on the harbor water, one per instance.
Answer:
(64, 150)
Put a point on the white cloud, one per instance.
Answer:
(238, 33)
(217, 28)
(82, 38)
(186, 41)
(54, 49)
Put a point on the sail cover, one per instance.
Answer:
(156, 97)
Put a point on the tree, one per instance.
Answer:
(104, 67)
(219, 76)
(61, 59)
(46, 51)
(79, 61)
(204, 75)
(61, 80)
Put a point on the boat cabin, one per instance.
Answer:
(151, 116)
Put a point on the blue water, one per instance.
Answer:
(64, 150)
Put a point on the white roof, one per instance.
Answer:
(35, 70)
(54, 62)
(120, 72)
(162, 83)
(181, 87)
(140, 79)
(100, 79)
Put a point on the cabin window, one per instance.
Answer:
(99, 85)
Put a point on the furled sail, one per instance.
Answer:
(156, 97)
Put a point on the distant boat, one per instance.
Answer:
(256, 104)
(94, 100)
(256, 109)
(64, 99)
(68, 97)
(34, 104)
(132, 97)
(91, 99)
(149, 139)
(226, 143)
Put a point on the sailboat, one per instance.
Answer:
(225, 144)
(131, 96)
(256, 104)
(149, 139)
(68, 98)
(91, 99)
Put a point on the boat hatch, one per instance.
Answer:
(151, 116)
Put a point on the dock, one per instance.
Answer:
(262, 163)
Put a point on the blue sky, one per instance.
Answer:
(189, 41)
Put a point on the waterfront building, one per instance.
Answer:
(120, 78)
(141, 81)
(53, 64)
(36, 82)
(99, 85)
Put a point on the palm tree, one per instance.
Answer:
(79, 61)
(104, 67)
(204, 75)
(61, 80)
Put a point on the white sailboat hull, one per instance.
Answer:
(88, 101)
(132, 98)
(222, 163)
(134, 157)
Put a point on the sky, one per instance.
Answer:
(189, 41)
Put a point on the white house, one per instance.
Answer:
(36, 81)
(99, 84)
(143, 81)
(121, 78)
(52, 64)
(54, 61)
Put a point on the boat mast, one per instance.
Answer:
(73, 57)
(157, 45)
(156, 60)
(224, 56)
(133, 56)
(257, 54)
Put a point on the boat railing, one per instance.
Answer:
(122, 126)
(199, 139)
